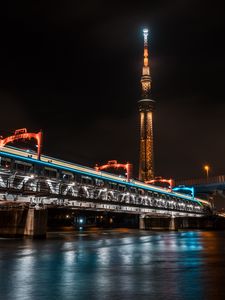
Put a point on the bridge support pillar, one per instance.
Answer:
(142, 222)
(36, 223)
(172, 224)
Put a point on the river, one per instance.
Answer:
(114, 264)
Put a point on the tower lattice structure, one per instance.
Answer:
(146, 108)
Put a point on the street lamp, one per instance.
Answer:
(206, 168)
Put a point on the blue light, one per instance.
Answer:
(185, 188)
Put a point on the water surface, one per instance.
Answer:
(118, 264)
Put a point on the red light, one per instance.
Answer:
(23, 134)
(160, 179)
(114, 164)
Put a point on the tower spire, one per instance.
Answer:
(146, 77)
(146, 108)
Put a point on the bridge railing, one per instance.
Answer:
(200, 181)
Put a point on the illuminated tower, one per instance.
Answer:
(146, 107)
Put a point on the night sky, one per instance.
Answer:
(73, 68)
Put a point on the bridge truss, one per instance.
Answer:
(94, 195)
(24, 177)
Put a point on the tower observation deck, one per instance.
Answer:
(146, 107)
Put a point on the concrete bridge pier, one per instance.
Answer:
(24, 221)
(142, 222)
(157, 223)
(173, 224)
(36, 223)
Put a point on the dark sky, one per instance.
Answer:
(73, 69)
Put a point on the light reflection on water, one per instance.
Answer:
(114, 265)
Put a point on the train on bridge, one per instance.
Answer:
(53, 181)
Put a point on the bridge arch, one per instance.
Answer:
(22, 133)
(114, 164)
(163, 180)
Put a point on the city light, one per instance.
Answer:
(145, 30)
(206, 168)
(71, 229)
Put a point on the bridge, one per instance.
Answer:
(41, 181)
(212, 187)
(204, 185)
(24, 177)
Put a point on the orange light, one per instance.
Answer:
(207, 168)
(114, 164)
(169, 181)
(23, 134)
